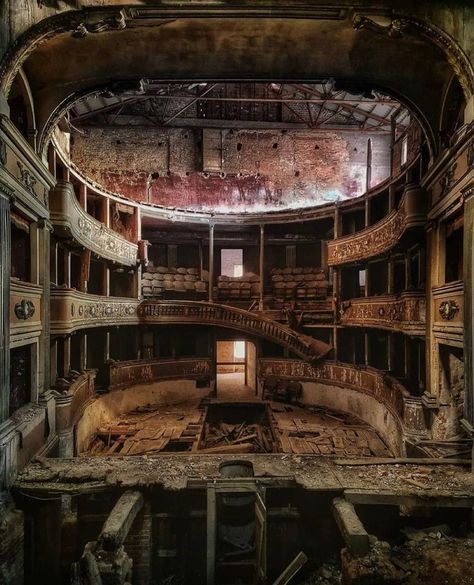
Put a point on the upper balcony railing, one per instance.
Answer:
(71, 310)
(226, 316)
(384, 235)
(405, 312)
(71, 221)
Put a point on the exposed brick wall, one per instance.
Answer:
(138, 546)
(270, 168)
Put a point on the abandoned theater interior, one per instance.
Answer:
(236, 291)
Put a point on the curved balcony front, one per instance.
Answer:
(72, 222)
(405, 313)
(384, 235)
(72, 310)
(370, 394)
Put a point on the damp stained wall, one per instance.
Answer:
(261, 169)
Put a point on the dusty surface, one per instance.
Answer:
(237, 427)
(311, 472)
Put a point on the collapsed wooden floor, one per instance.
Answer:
(276, 428)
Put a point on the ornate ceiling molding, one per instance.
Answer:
(400, 26)
(78, 22)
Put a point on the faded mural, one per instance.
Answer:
(264, 169)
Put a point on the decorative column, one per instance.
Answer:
(44, 228)
(5, 257)
(211, 262)
(261, 266)
(468, 271)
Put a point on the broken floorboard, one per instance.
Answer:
(88, 474)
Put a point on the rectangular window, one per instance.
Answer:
(232, 261)
(404, 156)
(239, 350)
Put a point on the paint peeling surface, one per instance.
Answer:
(238, 171)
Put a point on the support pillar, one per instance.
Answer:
(262, 267)
(5, 259)
(211, 263)
(468, 271)
(44, 232)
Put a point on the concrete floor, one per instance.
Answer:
(231, 388)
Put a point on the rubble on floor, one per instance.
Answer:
(280, 429)
(429, 555)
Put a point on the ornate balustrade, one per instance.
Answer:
(70, 404)
(226, 316)
(123, 374)
(448, 313)
(382, 236)
(405, 312)
(366, 380)
(25, 308)
(71, 221)
(71, 310)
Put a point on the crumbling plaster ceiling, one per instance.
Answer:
(408, 68)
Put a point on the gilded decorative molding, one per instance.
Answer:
(70, 220)
(362, 379)
(448, 309)
(382, 236)
(405, 312)
(72, 310)
(122, 374)
(399, 26)
(25, 309)
(301, 345)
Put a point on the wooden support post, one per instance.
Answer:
(116, 527)
(368, 176)
(211, 535)
(262, 266)
(211, 262)
(352, 530)
(83, 196)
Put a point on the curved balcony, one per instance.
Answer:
(123, 374)
(71, 402)
(382, 236)
(405, 313)
(71, 310)
(226, 316)
(72, 222)
(363, 391)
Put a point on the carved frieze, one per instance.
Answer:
(123, 374)
(70, 220)
(370, 242)
(366, 380)
(72, 310)
(211, 313)
(27, 178)
(447, 180)
(406, 312)
(106, 239)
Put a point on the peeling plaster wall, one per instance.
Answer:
(260, 168)
(365, 407)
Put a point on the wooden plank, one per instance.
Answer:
(292, 569)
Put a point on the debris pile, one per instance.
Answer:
(237, 438)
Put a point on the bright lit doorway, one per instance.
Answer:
(236, 369)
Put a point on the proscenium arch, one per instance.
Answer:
(91, 22)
